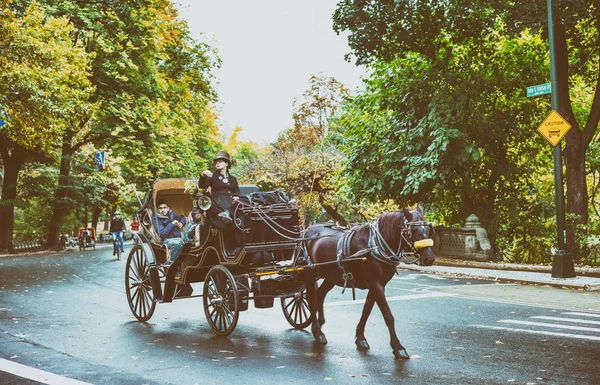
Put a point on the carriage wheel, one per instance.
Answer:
(221, 300)
(137, 285)
(295, 309)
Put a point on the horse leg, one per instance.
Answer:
(311, 296)
(397, 348)
(360, 340)
(322, 291)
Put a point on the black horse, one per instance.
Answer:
(371, 253)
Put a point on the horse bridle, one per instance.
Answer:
(406, 236)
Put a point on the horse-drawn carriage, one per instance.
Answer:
(263, 267)
(274, 258)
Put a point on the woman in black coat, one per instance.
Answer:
(224, 190)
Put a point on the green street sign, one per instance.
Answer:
(540, 89)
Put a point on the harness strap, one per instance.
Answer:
(381, 250)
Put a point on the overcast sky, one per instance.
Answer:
(269, 48)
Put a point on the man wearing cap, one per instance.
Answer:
(224, 189)
(117, 227)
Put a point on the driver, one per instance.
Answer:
(224, 190)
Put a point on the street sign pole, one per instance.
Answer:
(562, 261)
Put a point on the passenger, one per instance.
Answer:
(224, 190)
(194, 219)
(168, 225)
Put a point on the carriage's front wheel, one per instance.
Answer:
(137, 285)
(295, 309)
(221, 300)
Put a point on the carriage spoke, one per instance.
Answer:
(305, 309)
(292, 304)
(220, 319)
(212, 313)
(144, 304)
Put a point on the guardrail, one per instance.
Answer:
(468, 242)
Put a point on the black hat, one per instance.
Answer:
(224, 156)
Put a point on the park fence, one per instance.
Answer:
(21, 246)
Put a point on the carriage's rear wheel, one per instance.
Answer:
(295, 309)
(137, 285)
(221, 300)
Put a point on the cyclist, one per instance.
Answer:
(117, 228)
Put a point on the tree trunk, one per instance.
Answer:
(61, 204)
(577, 143)
(332, 212)
(12, 166)
(95, 217)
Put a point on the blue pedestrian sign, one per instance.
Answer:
(540, 89)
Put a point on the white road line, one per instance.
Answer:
(433, 276)
(576, 336)
(511, 302)
(582, 314)
(390, 299)
(398, 288)
(556, 326)
(410, 284)
(36, 374)
(578, 320)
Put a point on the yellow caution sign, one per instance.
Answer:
(554, 128)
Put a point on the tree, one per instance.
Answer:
(152, 88)
(44, 87)
(384, 31)
(301, 160)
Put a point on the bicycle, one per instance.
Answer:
(117, 244)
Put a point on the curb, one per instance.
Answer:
(552, 282)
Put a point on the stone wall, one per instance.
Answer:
(468, 242)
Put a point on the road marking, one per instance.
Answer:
(433, 276)
(36, 374)
(578, 320)
(511, 302)
(583, 314)
(390, 299)
(557, 326)
(409, 284)
(576, 336)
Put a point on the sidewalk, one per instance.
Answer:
(586, 278)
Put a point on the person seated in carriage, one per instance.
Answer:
(168, 225)
(225, 192)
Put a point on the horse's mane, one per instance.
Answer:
(390, 225)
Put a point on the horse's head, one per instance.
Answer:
(420, 232)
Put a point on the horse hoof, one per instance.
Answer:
(401, 354)
(320, 338)
(362, 345)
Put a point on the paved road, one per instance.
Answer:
(67, 315)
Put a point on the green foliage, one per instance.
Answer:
(460, 141)
(446, 100)
(44, 85)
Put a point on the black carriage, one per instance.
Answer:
(264, 264)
